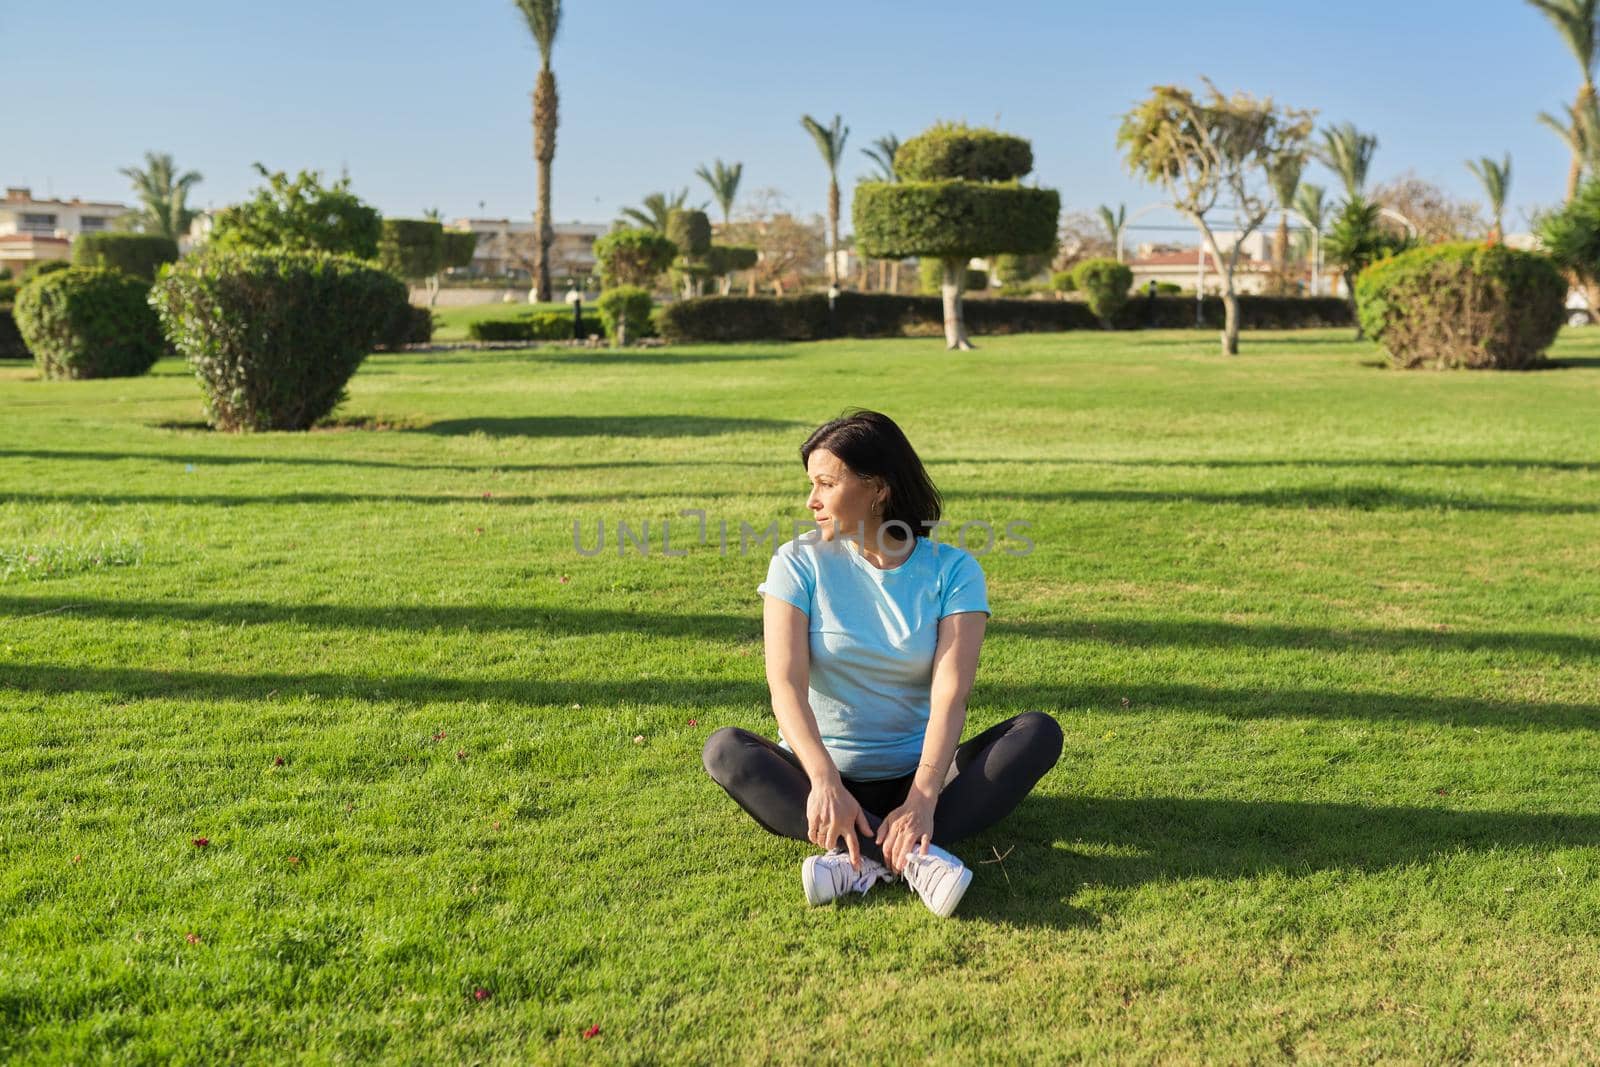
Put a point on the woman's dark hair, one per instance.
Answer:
(871, 445)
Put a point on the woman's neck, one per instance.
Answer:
(885, 548)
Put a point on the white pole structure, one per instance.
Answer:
(1200, 287)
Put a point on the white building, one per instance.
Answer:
(506, 247)
(35, 230)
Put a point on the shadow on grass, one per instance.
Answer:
(1313, 497)
(394, 363)
(560, 621)
(227, 460)
(1060, 845)
(1222, 702)
(608, 426)
(1495, 463)
(184, 499)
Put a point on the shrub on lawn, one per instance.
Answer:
(543, 324)
(409, 325)
(274, 336)
(1062, 282)
(633, 256)
(138, 254)
(1106, 283)
(1463, 305)
(11, 346)
(88, 323)
(625, 310)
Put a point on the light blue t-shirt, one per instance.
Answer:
(873, 635)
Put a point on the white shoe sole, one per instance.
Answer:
(808, 878)
(953, 897)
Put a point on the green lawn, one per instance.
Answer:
(450, 324)
(1323, 638)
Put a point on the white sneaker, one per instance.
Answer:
(939, 879)
(830, 876)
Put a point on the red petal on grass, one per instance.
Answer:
(694, 722)
(78, 858)
(480, 994)
(295, 860)
(201, 842)
(440, 736)
(593, 1031)
(192, 937)
(461, 753)
(278, 762)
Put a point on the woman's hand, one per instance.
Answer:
(907, 827)
(832, 813)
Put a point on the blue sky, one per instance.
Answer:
(427, 103)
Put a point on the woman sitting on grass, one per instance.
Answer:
(872, 637)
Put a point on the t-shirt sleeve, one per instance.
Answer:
(964, 588)
(789, 578)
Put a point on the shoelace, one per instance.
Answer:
(924, 873)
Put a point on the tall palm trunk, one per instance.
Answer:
(544, 151)
(833, 231)
(1575, 169)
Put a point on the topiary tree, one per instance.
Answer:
(690, 230)
(624, 308)
(413, 251)
(930, 274)
(630, 256)
(1013, 269)
(723, 261)
(457, 248)
(1105, 283)
(275, 336)
(301, 215)
(958, 197)
(86, 322)
(1463, 305)
(1062, 282)
(136, 254)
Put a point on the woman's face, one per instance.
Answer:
(841, 500)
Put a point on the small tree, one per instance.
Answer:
(1572, 235)
(1105, 283)
(1356, 241)
(413, 251)
(300, 215)
(1114, 222)
(958, 197)
(633, 257)
(1496, 179)
(691, 232)
(1197, 150)
(624, 309)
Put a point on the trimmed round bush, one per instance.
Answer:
(88, 323)
(457, 247)
(954, 150)
(633, 256)
(690, 230)
(275, 336)
(411, 248)
(1463, 305)
(138, 254)
(625, 311)
(950, 219)
(1105, 283)
(1061, 281)
(930, 273)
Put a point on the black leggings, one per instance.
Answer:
(994, 771)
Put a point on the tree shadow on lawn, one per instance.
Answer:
(562, 621)
(1061, 846)
(608, 426)
(583, 356)
(710, 694)
(188, 499)
(1251, 464)
(1309, 497)
(226, 460)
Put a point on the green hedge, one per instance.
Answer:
(409, 325)
(865, 315)
(625, 310)
(138, 254)
(895, 220)
(274, 336)
(1463, 305)
(88, 322)
(953, 150)
(542, 325)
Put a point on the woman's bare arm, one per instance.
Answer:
(955, 665)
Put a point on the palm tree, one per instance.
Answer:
(1284, 173)
(1311, 202)
(1114, 221)
(1580, 132)
(724, 182)
(652, 213)
(544, 19)
(1496, 179)
(830, 143)
(1576, 21)
(882, 155)
(1348, 153)
(163, 195)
